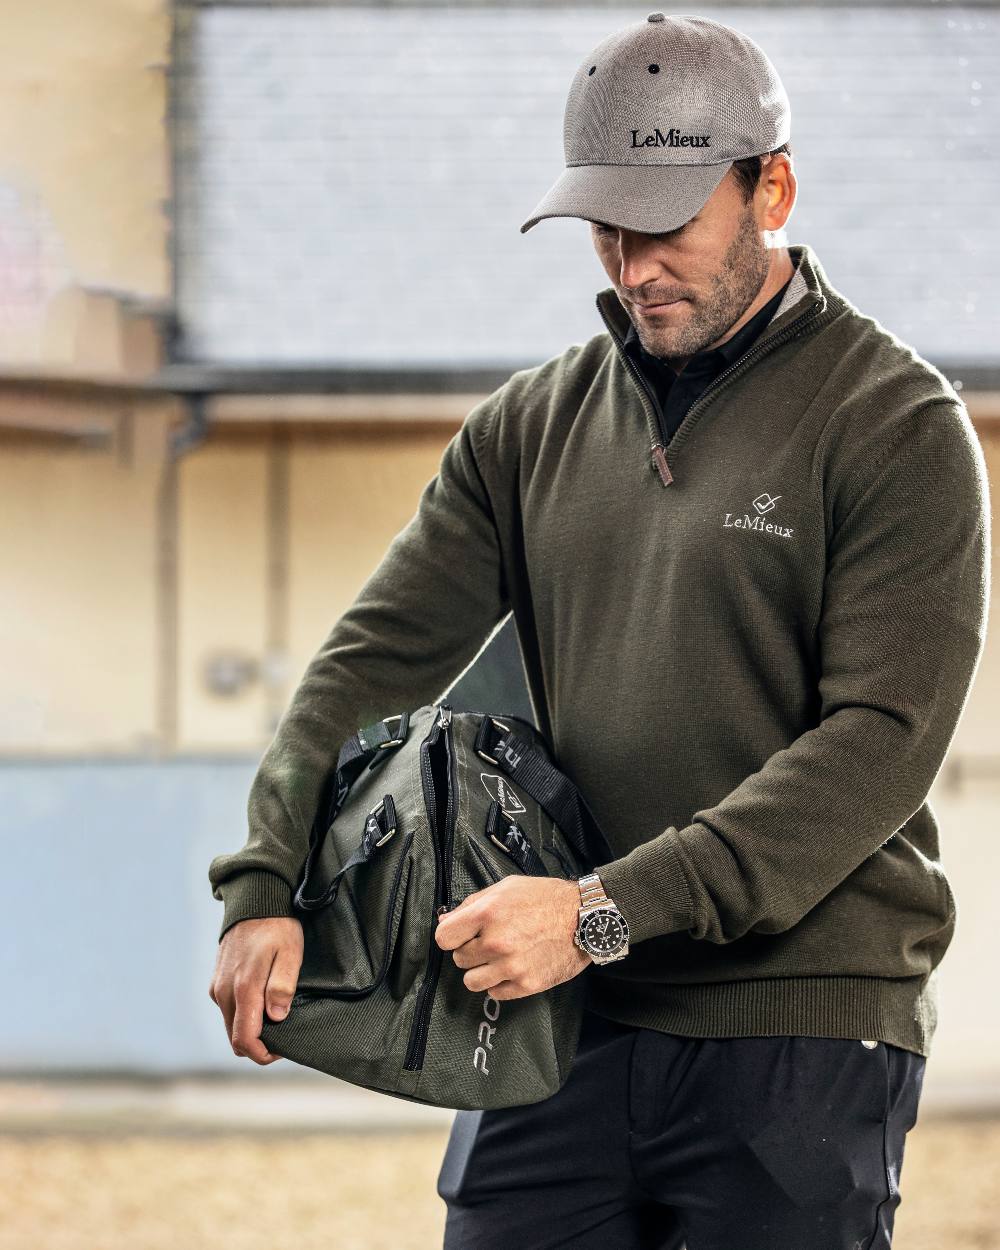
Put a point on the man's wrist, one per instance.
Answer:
(602, 929)
(254, 894)
(591, 889)
(650, 888)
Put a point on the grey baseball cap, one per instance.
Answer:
(655, 116)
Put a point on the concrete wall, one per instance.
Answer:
(271, 553)
(84, 175)
(78, 578)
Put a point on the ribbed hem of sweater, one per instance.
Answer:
(900, 1011)
(254, 895)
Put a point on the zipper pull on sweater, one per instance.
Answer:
(660, 464)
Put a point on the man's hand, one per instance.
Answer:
(515, 938)
(257, 967)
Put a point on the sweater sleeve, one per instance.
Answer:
(900, 634)
(417, 622)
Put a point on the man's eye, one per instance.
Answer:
(665, 234)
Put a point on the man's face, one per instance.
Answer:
(713, 266)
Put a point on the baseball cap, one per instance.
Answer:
(655, 116)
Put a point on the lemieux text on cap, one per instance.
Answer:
(672, 139)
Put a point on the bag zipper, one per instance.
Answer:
(442, 841)
(655, 421)
(450, 809)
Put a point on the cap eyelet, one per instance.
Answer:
(591, 70)
(654, 69)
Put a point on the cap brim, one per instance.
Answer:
(647, 198)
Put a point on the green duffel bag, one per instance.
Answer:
(421, 810)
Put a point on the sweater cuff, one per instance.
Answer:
(254, 895)
(649, 887)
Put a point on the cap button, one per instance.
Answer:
(656, 17)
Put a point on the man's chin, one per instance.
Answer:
(666, 348)
(663, 340)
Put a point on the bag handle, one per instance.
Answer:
(362, 748)
(524, 762)
(380, 825)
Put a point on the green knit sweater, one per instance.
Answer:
(750, 648)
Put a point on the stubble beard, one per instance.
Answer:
(744, 270)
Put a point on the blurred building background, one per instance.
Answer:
(257, 261)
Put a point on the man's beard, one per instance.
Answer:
(743, 273)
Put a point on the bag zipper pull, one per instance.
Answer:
(443, 907)
(445, 718)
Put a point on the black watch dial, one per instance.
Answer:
(603, 932)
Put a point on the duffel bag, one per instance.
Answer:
(422, 809)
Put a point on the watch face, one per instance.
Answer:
(603, 932)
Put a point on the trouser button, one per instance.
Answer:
(869, 1043)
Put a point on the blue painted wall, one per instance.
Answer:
(109, 926)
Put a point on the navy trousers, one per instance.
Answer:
(663, 1142)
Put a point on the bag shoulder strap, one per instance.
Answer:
(515, 754)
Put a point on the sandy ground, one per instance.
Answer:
(366, 1191)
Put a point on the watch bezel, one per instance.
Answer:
(608, 909)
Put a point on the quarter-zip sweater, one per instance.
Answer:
(749, 645)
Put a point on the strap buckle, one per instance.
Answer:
(400, 738)
(373, 825)
(397, 741)
(507, 834)
(483, 738)
(514, 842)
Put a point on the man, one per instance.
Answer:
(743, 534)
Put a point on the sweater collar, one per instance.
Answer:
(808, 288)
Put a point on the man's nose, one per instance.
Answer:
(641, 259)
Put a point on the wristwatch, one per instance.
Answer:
(601, 931)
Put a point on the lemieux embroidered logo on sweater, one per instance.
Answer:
(763, 504)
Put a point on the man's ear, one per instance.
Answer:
(781, 194)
